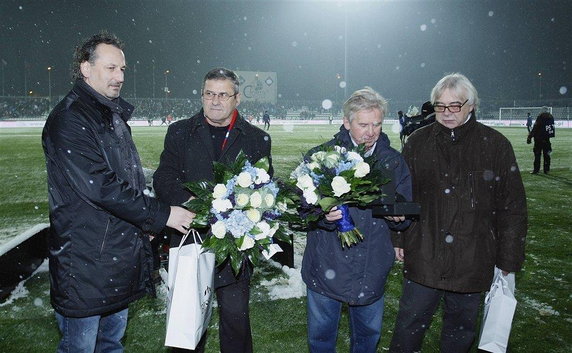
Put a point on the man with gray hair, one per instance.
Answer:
(356, 275)
(473, 218)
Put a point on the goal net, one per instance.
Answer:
(520, 113)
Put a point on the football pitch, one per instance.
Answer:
(542, 320)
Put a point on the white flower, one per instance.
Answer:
(241, 199)
(340, 186)
(262, 176)
(269, 200)
(219, 191)
(244, 179)
(253, 214)
(218, 229)
(247, 243)
(331, 159)
(313, 165)
(361, 169)
(340, 149)
(310, 196)
(305, 182)
(221, 205)
(354, 156)
(255, 199)
(318, 156)
(264, 229)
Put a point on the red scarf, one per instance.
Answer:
(230, 126)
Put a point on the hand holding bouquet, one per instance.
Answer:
(242, 206)
(334, 176)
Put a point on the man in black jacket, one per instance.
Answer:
(216, 133)
(542, 132)
(101, 217)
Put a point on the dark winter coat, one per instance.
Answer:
(99, 251)
(356, 275)
(188, 155)
(473, 207)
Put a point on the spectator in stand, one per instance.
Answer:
(542, 132)
(169, 119)
(101, 217)
(473, 218)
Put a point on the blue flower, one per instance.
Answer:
(238, 223)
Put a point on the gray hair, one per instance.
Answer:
(364, 99)
(220, 73)
(460, 85)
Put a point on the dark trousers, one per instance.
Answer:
(545, 148)
(234, 320)
(416, 308)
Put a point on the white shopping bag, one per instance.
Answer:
(190, 297)
(500, 305)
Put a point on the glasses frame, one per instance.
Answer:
(222, 96)
(445, 107)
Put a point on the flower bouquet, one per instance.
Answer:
(243, 206)
(335, 176)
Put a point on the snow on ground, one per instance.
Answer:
(20, 291)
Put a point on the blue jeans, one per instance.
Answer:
(99, 333)
(324, 316)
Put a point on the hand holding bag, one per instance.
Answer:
(500, 305)
(190, 297)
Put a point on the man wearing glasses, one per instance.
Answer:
(473, 218)
(216, 133)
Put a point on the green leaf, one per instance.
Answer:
(327, 203)
(263, 163)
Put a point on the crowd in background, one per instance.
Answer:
(155, 109)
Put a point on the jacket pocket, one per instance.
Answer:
(104, 239)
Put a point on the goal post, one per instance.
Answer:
(520, 113)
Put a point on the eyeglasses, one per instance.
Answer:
(222, 96)
(453, 108)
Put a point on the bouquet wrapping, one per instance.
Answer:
(243, 207)
(335, 176)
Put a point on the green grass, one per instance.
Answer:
(543, 317)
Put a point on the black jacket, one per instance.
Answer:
(473, 207)
(356, 275)
(99, 215)
(188, 155)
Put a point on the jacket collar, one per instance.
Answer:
(458, 133)
(118, 105)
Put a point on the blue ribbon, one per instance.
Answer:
(346, 223)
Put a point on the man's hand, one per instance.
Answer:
(334, 215)
(180, 219)
(399, 254)
(395, 219)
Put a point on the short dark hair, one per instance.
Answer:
(220, 73)
(86, 50)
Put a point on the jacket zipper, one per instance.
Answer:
(472, 190)
(104, 237)
(453, 138)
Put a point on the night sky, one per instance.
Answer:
(400, 48)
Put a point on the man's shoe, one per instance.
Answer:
(546, 172)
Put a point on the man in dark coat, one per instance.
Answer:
(355, 276)
(216, 133)
(100, 214)
(473, 218)
(542, 132)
